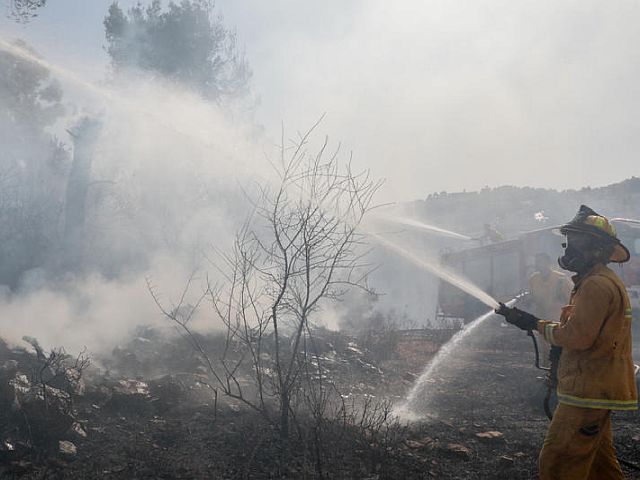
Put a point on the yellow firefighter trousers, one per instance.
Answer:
(579, 446)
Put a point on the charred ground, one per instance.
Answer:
(148, 413)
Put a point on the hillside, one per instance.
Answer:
(512, 209)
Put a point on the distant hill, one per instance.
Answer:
(512, 210)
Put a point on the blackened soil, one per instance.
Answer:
(489, 385)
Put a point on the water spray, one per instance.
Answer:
(98, 91)
(28, 56)
(410, 222)
(441, 272)
(407, 409)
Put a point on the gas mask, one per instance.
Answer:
(580, 254)
(573, 260)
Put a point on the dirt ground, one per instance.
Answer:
(480, 417)
(493, 386)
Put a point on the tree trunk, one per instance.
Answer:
(284, 419)
(84, 138)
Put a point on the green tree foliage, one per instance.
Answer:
(186, 43)
(25, 10)
(30, 99)
(32, 163)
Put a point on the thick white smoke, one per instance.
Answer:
(168, 171)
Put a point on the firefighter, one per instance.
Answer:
(595, 371)
(490, 235)
(549, 289)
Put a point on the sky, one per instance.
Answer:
(432, 95)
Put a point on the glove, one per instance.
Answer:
(517, 317)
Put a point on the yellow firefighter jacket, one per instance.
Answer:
(596, 367)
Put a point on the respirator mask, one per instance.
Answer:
(579, 254)
(573, 259)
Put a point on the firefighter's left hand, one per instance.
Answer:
(519, 318)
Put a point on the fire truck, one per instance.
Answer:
(502, 269)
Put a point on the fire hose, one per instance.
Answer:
(551, 378)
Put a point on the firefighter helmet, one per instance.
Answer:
(592, 223)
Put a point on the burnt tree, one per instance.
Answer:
(300, 248)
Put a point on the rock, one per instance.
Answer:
(129, 395)
(77, 429)
(369, 366)
(7, 445)
(67, 448)
(47, 409)
(353, 348)
(459, 450)
(426, 443)
(414, 445)
(7, 451)
(20, 384)
(11, 450)
(490, 435)
(131, 386)
(73, 382)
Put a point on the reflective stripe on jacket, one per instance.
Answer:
(596, 366)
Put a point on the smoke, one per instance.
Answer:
(167, 173)
(171, 167)
(92, 311)
(171, 176)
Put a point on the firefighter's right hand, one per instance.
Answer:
(519, 318)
